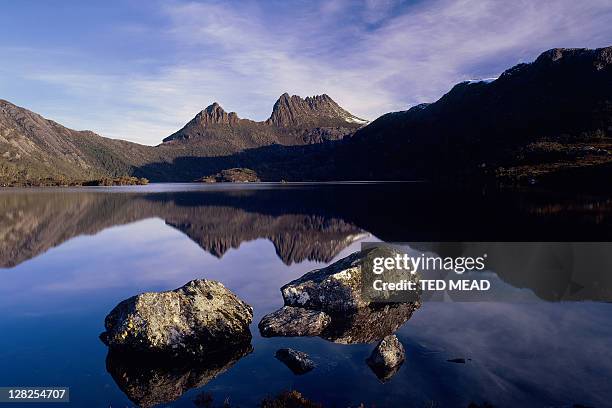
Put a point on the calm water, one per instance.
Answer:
(67, 257)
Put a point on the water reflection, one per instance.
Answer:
(71, 256)
(312, 223)
(553, 271)
(307, 222)
(30, 224)
(151, 381)
(368, 325)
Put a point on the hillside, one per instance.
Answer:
(535, 120)
(35, 150)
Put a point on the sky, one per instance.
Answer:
(139, 70)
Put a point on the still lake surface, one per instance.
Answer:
(68, 256)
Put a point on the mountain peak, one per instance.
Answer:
(214, 114)
(291, 111)
(213, 107)
(211, 116)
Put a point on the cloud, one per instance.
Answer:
(372, 57)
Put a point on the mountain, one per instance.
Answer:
(548, 122)
(34, 149)
(294, 121)
(536, 120)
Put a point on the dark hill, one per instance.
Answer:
(534, 120)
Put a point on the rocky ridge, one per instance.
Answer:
(316, 111)
(294, 121)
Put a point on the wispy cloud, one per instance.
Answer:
(372, 56)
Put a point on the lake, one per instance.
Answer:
(68, 256)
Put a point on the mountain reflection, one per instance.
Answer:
(316, 222)
(31, 224)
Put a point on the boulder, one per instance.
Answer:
(346, 285)
(336, 303)
(196, 319)
(297, 361)
(387, 358)
(293, 321)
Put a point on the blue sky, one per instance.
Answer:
(138, 70)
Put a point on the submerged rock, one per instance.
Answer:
(293, 321)
(457, 360)
(297, 361)
(387, 358)
(286, 399)
(198, 318)
(148, 382)
(369, 324)
(345, 285)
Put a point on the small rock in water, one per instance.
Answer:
(387, 358)
(457, 360)
(289, 399)
(201, 317)
(297, 361)
(293, 321)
